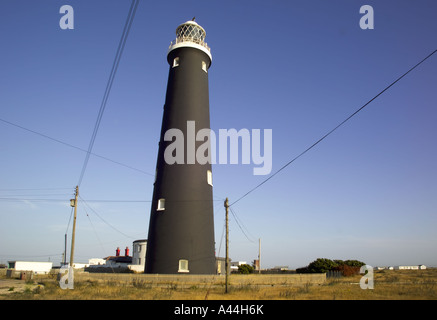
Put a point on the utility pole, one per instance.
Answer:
(227, 245)
(74, 204)
(64, 258)
(259, 257)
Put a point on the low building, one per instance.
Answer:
(418, 267)
(96, 262)
(139, 248)
(220, 265)
(379, 268)
(118, 261)
(236, 264)
(256, 265)
(280, 268)
(34, 266)
(80, 265)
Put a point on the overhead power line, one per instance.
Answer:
(71, 146)
(127, 26)
(330, 132)
(30, 200)
(7, 198)
(37, 189)
(240, 224)
(67, 200)
(89, 207)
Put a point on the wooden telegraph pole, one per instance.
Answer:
(74, 224)
(259, 257)
(227, 245)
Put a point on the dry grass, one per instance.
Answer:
(388, 285)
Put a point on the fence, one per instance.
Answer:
(334, 274)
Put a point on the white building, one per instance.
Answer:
(280, 268)
(139, 248)
(236, 264)
(379, 268)
(118, 262)
(96, 262)
(80, 265)
(419, 267)
(34, 266)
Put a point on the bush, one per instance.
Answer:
(323, 265)
(354, 263)
(245, 269)
(302, 270)
(348, 271)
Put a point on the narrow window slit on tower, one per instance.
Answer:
(161, 205)
(176, 62)
(204, 68)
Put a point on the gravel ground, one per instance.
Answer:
(8, 286)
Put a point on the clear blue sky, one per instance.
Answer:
(367, 192)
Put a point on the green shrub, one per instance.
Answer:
(245, 269)
(323, 265)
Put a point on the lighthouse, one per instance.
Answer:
(181, 227)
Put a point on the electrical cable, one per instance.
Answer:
(69, 220)
(85, 202)
(40, 189)
(71, 146)
(238, 223)
(126, 30)
(100, 201)
(30, 200)
(331, 131)
(221, 238)
(98, 238)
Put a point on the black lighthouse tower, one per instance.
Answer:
(181, 228)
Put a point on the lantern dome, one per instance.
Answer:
(190, 34)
